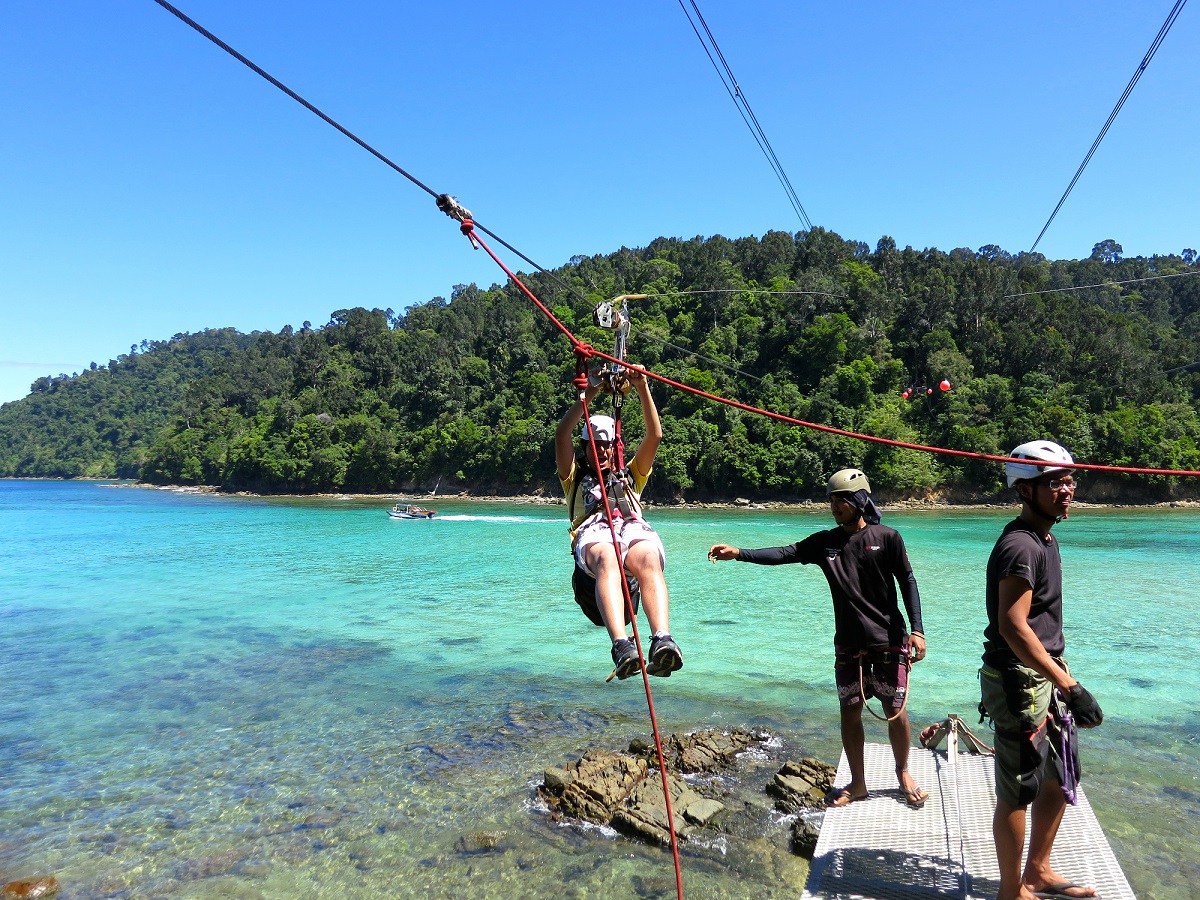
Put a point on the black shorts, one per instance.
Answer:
(585, 595)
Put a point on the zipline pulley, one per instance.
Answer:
(451, 207)
(612, 315)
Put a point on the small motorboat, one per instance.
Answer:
(411, 511)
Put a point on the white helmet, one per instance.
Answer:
(1044, 451)
(605, 427)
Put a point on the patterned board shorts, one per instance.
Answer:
(884, 674)
(1017, 699)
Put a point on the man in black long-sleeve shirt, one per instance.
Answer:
(863, 561)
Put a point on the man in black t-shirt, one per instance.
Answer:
(1028, 692)
(863, 561)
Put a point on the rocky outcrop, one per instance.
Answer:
(594, 787)
(625, 790)
(705, 751)
(800, 787)
(644, 815)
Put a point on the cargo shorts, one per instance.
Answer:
(1017, 699)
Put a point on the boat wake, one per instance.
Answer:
(517, 520)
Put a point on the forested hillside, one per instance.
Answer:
(467, 392)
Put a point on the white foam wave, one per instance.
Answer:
(512, 520)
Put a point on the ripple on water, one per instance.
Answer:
(226, 716)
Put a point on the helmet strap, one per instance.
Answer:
(1032, 504)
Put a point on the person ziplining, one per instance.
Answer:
(587, 471)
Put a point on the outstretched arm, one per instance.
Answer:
(564, 435)
(644, 458)
(765, 556)
(723, 552)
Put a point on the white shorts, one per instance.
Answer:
(629, 532)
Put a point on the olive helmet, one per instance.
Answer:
(1042, 451)
(848, 481)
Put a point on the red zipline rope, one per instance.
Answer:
(632, 613)
(589, 351)
(585, 351)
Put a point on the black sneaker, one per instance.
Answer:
(625, 658)
(665, 656)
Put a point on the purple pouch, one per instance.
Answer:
(1068, 752)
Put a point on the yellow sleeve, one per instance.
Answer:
(568, 483)
(639, 479)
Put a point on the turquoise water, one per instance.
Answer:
(233, 697)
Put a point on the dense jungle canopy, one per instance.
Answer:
(1101, 354)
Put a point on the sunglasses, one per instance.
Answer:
(1061, 484)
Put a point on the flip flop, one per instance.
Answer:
(1058, 892)
(915, 798)
(842, 797)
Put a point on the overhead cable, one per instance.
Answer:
(1084, 287)
(725, 73)
(1162, 33)
(317, 112)
(646, 333)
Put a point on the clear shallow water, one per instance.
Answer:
(226, 697)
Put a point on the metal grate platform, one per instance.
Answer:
(881, 849)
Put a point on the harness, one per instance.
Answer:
(619, 486)
(888, 656)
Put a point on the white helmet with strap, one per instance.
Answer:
(1042, 451)
(604, 426)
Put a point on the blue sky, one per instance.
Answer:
(151, 185)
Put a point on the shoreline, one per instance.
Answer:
(905, 504)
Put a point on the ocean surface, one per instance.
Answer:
(206, 696)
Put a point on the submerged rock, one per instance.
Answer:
(479, 842)
(30, 888)
(804, 837)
